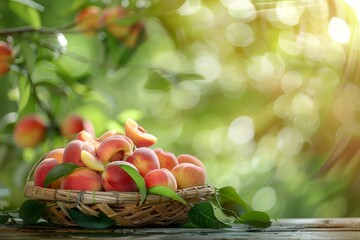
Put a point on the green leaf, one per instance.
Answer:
(90, 222)
(202, 215)
(138, 179)
(31, 211)
(27, 12)
(166, 192)
(29, 56)
(255, 219)
(26, 100)
(30, 3)
(189, 76)
(158, 81)
(59, 171)
(229, 194)
(4, 218)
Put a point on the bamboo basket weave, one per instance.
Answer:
(123, 207)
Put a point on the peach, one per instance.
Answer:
(85, 136)
(91, 161)
(42, 170)
(189, 175)
(114, 178)
(88, 20)
(73, 124)
(108, 134)
(114, 148)
(138, 134)
(6, 57)
(72, 152)
(160, 177)
(56, 153)
(82, 179)
(187, 158)
(167, 160)
(29, 131)
(111, 19)
(144, 160)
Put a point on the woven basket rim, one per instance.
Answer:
(111, 197)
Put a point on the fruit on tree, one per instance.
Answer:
(73, 124)
(88, 20)
(30, 131)
(6, 57)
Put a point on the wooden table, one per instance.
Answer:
(334, 228)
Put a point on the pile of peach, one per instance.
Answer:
(99, 160)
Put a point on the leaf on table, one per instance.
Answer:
(202, 215)
(229, 194)
(31, 211)
(90, 222)
(255, 219)
(59, 171)
(166, 192)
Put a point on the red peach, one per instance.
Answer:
(189, 175)
(144, 160)
(57, 154)
(88, 20)
(73, 124)
(6, 57)
(111, 20)
(167, 159)
(42, 170)
(160, 177)
(187, 158)
(82, 179)
(29, 131)
(138, 134)
(114, 148)
(114, 178)
(72, 152)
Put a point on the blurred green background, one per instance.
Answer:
(265, 93)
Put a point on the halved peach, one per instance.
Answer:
(138, 134)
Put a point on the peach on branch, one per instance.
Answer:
(42, 170)
(144, 159)
(114, 178)
(111, 19)
(56, 153)
(160, 177)
(73, 124)
(72, 152)
(138, 134)
(167, 160)
(29, 131)
(114, 148)
(82, 179)
(187, 158)
(189, 175)
(88, 20)
(6, 57)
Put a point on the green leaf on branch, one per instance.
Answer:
(27, 10)
(158, 81)
(91, 222)
(26, 100)
(202, 215)
(166, 192)
(31, 211)
(229, 194)
(59, 171)
(255, 219)
(138, 179)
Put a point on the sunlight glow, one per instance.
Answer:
(339, 30)
(61, 40)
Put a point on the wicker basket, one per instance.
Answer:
(122, 207)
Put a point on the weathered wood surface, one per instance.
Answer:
(342, 228)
